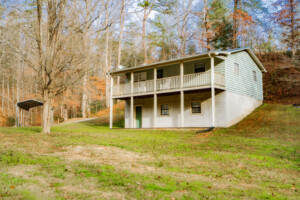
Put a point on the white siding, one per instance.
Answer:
(243, 83)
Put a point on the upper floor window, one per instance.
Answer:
(160, 73)
(254, 76)
(236, 69)
(140, 77)
(196, 107)
(164, 109)
(199, 67)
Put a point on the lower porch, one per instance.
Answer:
(196, 109)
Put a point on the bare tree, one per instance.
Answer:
(55, 57)
(122, 19)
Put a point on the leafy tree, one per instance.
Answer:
(220, 25)
(223, 37)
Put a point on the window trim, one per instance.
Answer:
(254, 75)
(191, 108)
(200, 62)
(169, 108)
(236, 69)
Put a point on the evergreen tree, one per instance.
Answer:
(220, 25)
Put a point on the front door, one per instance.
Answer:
(138, 117)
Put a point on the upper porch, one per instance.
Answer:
(164, 78)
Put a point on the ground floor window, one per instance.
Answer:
(196, 107)
(164, 109)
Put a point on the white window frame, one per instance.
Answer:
(254, 75)
(236, 69)
(191, 108)
(169, 108)
(200, 64)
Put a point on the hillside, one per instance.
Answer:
(282, 81)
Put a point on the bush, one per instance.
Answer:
(10, 121)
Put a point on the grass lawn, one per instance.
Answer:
(257, 159)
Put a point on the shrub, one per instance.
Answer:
(10, 121)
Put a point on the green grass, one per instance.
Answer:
(259, 158)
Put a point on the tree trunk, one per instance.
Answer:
(206, 29)
(47, 113)
(234, 28)
(84, 96)
(293, 48)
(143, 40)
(106, 57)
(121, 33)
(2, 97)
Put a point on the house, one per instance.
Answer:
(216, 89)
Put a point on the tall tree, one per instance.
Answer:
(147, 6)
(56, 56)
(287, 16)
(122, 19)
(221, 27)
(183, 11)
(235, 24)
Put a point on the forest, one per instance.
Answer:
(60, 51)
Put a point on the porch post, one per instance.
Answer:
(182, 107)
(181, 75)
(181, 95)
(154, 99)
(131, 83)
(118, 84)
(213, 103)
(111, 104)
(131, 112)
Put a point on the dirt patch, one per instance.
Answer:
(117, 157)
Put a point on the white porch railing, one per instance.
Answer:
(121, 89)
(174, 82)
(198, 79)
(143, 86)
(219, 79)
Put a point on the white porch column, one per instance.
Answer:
(111, 104)
(154, 99)
(182, 108)
(213, 102)
(118, 84)
(131, 112)
(181, 75)
(131, 83)
(181, 95)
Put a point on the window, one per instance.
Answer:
(140, 77)
(199, 67)
(164, 109)
(254, 76)
(160, 73)
(196, 107)
(236, 69)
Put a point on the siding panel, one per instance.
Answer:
(243, 83)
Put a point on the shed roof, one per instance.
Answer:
(211, 53)
(29, 103)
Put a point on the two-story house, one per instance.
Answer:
(215, 89)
